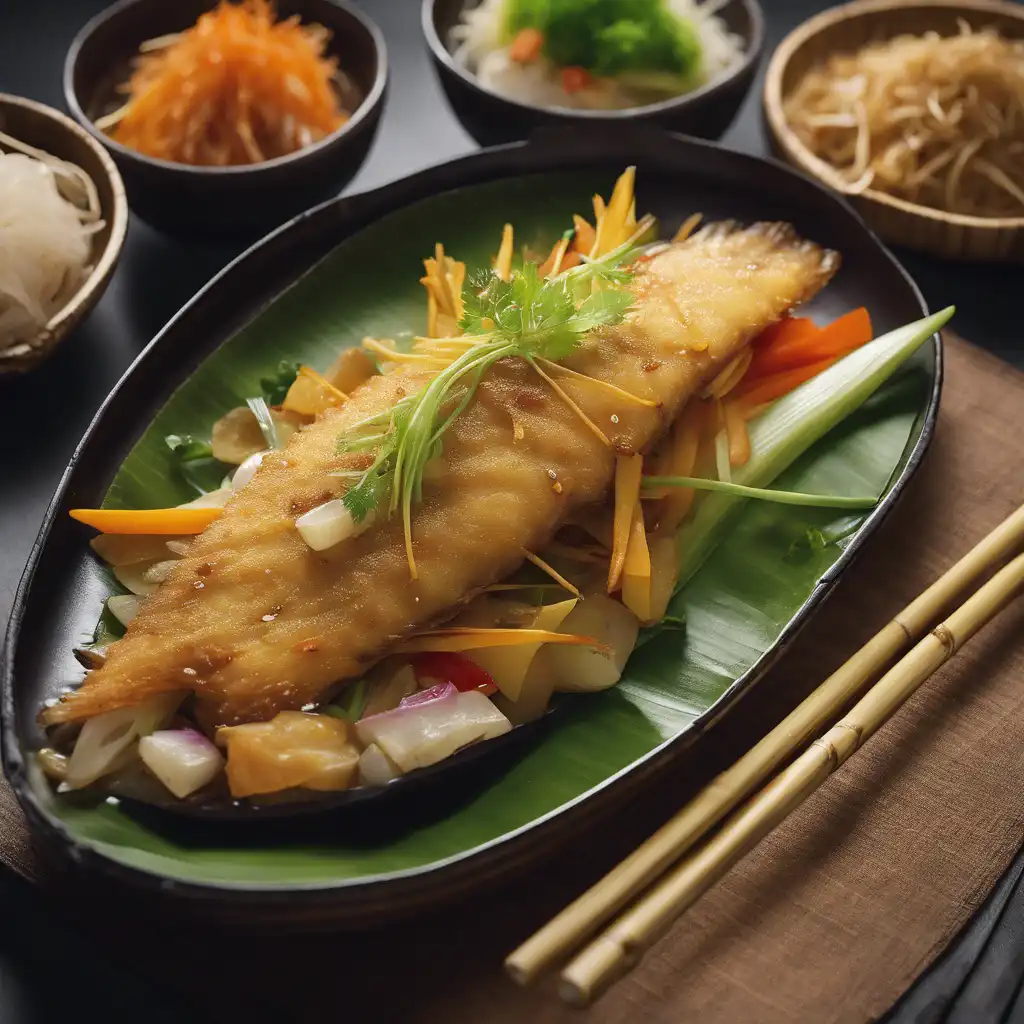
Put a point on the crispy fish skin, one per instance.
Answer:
(254, 622)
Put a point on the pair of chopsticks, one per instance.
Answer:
(663, 878)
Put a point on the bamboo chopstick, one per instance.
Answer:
(585, 915)
(618, 949)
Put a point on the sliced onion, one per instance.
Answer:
(212, 499)
(246, 471)
(184, 760)
(374, 767)
(105, 738)
(124, 607)
(422, 734)
(439, 691)
(133, 578)
(583, 669)
(178, 547)
(329, 524)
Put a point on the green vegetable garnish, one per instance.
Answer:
(523, 317)
(764, 493)
(609, 37)
(275, 387)
(351, 704)
(188, 448)
(194, 460)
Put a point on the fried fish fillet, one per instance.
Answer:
(254, 622)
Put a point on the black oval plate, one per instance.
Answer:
(680, 175)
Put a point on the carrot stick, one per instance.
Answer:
(162, 521)
(585, 235)
(795, 348)
(767, 389)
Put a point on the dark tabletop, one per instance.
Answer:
(977, 981)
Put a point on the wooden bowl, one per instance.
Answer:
(493, 118)
(239, 202)
(45, 128)
(845, 29)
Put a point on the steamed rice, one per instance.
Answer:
(478, 45)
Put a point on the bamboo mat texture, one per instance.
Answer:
(834, 915)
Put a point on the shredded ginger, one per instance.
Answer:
(238, 87)
(44, 247)
(937, 121)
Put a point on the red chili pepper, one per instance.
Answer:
(574, 79)
(457, 669)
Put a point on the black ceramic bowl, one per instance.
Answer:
(493, 118)
(211, 201)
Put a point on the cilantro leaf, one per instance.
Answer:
(275, 387)
(187, 448)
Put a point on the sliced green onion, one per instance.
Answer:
(261, 411)
(796, 421)
(765, 494)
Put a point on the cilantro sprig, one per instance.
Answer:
(526, 317)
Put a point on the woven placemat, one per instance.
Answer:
(830, 919)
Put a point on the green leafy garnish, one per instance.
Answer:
(194, 461)
(763, 493)
(609, 37)
(186, 447)
(524, 317)
(351, 704)
(275, 387)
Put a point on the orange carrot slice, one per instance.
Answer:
(767, 389)
(159, 521)
(526, 46)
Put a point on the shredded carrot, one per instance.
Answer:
(239, 87)
(688, 227)
(628, 472)
(585, 236)
(308, 371)
(467, 638)
(162, 521)
(736, 432)
(560, 258)
(503, 261)
(552, 572)
(636, 570)
(526, 46)
(613, 226)
(767, 389)
(679, 459)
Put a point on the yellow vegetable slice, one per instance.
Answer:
(636, 569)
(628, 471)
(503, 261)
(470, 639)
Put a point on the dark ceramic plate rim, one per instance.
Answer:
(547, 151)
(751, 55)
(352, 126)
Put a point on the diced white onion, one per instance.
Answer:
(105, 738)
(422, 734)
(182, 759)
(246, 471)
(123, 607)
(329, 524)
(584, 669)
(374, 767)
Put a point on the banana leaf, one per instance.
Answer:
(736, 607)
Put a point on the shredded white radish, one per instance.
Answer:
(45, 246)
